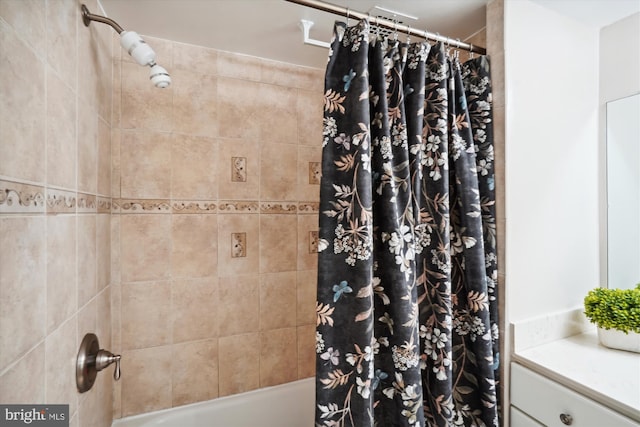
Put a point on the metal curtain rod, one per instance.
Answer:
(348, 13)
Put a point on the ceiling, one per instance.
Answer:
(271, 28)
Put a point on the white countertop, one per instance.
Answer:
(610, 377)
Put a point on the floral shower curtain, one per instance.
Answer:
(407, 327)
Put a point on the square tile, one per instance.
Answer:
(306, 297)
(278, 172)
(306, 351)
(247, 226)
(278, 356)
(145, 162)
(87, 258)
(238, 169)
(195, 309)
(278, 243)
(195, 109)
(143, 390)
(239, 363)
(61, 269)
(22, 286)
(145, 244)
(277, 300)
(146, 315)
(193, 168)
(307, 242)
(194, 241)
(239, 305)
(194, 372)
(61, 133)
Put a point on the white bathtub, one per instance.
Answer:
(286, 405)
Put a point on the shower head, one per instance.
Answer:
(135, 46)
(139, 50)
(159, 76)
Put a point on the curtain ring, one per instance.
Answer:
(471, 53)
(408, 34)
(395, 29)
(348, 14)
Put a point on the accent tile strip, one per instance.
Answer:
(185, 207)
(60, 201)
(278, 207)
(87, 203)
(231, 206)
(21, 198)
(144, 206)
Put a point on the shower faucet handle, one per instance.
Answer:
(105, 358)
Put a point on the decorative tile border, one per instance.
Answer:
(21, 198)
(126, 206)
(87, 203)
(195, 207)
(235, 206)
(104, 204)
(278, 207)
(60, 201)
(309, 207)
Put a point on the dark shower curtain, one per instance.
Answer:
(407, 327)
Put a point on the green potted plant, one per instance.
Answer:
(616, 312)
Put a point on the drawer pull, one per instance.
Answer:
(566, 419)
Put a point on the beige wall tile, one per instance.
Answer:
(309, 112)
(195, 309)
(62, 23)
(103, 251)
(87, 258)
(278, 356)
(239, 66)
(229, 265)
(22, 104)
(94, 65)
(194, 103)
(145, 161)
(115, 249)
(145, 242)
(28, 18)
(307, 242)
(61, 133)
(87, 148)
(276, 107)
(87, 319)
(277, 300)
(237, 109)
(61, 349)
(278, 243)
(24, 382)
(104, 158)
(193, 167)
(239, 304)
(195, 244)
(22, 286)
(306, 351)
(61, 269)
(306, 297)
(143, 106)
(192, 57)
(146, 315)
(146, 380)
(115, 163)
(242, 187)
(278, 172)
(103, 316)
(239, 371)
(194, 372)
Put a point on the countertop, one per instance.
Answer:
(579, 362)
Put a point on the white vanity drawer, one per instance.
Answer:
(545, 401)
(520, 419)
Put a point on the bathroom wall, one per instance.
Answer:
(215, 185)
(552, 221)
(618, 79)
(55, 119)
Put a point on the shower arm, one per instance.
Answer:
(87, 17)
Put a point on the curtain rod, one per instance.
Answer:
(348, 13)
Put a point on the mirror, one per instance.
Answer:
(623, 192)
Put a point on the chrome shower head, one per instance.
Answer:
(135, 46)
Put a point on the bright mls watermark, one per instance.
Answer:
(34, 415)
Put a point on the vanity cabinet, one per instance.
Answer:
(538, 401)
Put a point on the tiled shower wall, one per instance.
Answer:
(216, 187)
(55, 166)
